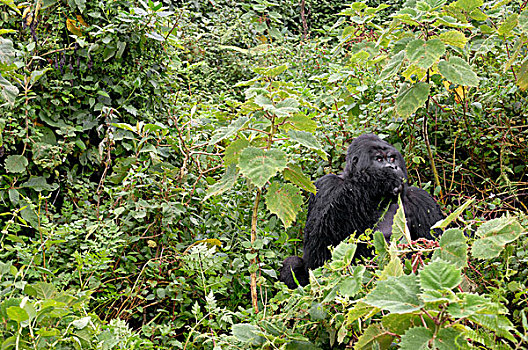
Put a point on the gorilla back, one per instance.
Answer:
(354, 201)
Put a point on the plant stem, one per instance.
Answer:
(253, 284)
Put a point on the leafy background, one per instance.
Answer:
(157, 157)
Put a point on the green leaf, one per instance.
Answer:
(468, 5)
(359, 310)
(308, 140)
(232, 152)
(259, 166)
(495, 234)
(439, 275)
(416, 338)
(499, 324)
(12, 5)
(454, 38)
(471, 304)
(227, 132)
(453, 216)
(478, 15)
(449, 339)
(374, 337)
(351, 285)
(9, 91)
(317, 312)
(18, 314)
(344, 252)
(424, 54)
(523, 20)
(393, 269)
(295, 175)
(396, 294)
(453, 248)
(285, 201)
(302, 122)
(39, 184)
(509, 23)
(458, 71)
(248, 333)
(272, 71)
(410, 98)
(225, 183)
(37, 74)
(16, 164)
(522, 76)
(300, 345)
(392, 67)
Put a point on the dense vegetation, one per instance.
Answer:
(157, 158)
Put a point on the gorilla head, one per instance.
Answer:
(368, 151)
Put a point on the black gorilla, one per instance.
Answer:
(375, 174)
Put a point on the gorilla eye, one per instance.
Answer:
(392, 159)
(379, 158)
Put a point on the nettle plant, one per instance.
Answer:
(261, 146)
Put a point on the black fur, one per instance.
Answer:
(374, 175)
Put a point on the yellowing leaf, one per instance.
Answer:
(70, 24)
(81, 20)
(454, 38)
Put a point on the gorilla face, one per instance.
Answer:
(368, 151)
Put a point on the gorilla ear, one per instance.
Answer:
(351, 164)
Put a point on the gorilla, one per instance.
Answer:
(363, 196)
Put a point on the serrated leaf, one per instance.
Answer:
(225, 183)
(495, 234)
(458, 71)
(39, 184)
(351, 285)
(439, 275)
(285, 201)
(425, 53)
(392, 67)
(307, 139)
(523, 20)
(300, 345)
(411, 97)
(454, 38)
(509, 23)
(470, 304)
(396, 294)
(302, 122)
(374, 337)
(453, 216)
(468, 5)
(522, 76)
(272, 71)
(453, 248)
(9, 91)
(416, 338)
(248, 333)
(393, 269)
(359, 310)
(232, 152)
(226, 132)
(499, 324)
(345, 252)
(16, 164)
(478, 15)
(295, 175)
(259, 166)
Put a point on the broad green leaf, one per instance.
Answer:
(317, 312)
(226, 132)
(458, 71)
(272, 71)
(471, 304)
(16, 313)
(399, 323)
(39, 184)
(294, 174)
(425, 53)
(468, 5)
(380, 244)
(285, 201)
(7, 52)
(16, 164)
(509, 23)
(478, 15)
(449, 21)
(351, 285)
(396, 294)
(232, 152)
(307, 139)
(9, 91)
(453, 248)
(393, 269)
(225, 183)
(37, 74)
(248, 333)
(410, 98)
(374, 337)
(495, 234)
(439, 275)
(359, 310)
(522, 76)
(300, 345)
(416, 338)
(81, 322)
(449, 339)
(499, 324)
(523, 20)
(302, 122)
(392, 67)
(44, 290)
(454, 38)
(259, 166)
(345, 252)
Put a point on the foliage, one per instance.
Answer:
(157, 156)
